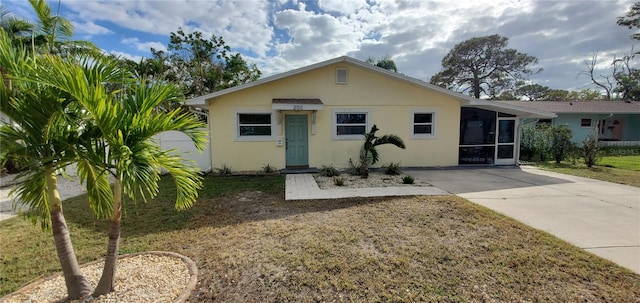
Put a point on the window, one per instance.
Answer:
(254, 125)
(585, 122)
(544, 121)
(350, 124)
(341, 76)
(423, 124)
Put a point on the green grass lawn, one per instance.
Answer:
(617, 169)
(251, 245)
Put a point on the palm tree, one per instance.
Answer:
(17, 28)
(41, 138)
(368, 152)
(127, 121)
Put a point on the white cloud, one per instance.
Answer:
(90, 28)
(342, 7)
(242, 24)
(279, 35)
(143, 46)
(126, 56)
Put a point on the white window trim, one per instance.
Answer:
(254, 138)
(434, 120)
(590, 123)
(334, 122)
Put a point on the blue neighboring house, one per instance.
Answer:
(618, 122)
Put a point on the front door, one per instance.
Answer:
(506, 149)
(297, 141)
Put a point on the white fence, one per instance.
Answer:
(180, 141)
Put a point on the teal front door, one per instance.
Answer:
(297, 140)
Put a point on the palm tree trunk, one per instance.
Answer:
(108, 278)
(364, 166)
(77, 285)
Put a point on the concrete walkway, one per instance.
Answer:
(600, 217)
(304, 187)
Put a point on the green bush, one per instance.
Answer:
(408, 179)
(527, 143)
(328, 171)
(590, 148)
(337, 181)
(392, 169)
(561, 142)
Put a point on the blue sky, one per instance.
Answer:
(283, 34)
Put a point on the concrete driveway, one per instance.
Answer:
(600, 217)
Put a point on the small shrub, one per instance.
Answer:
(392, 169)
(408, 179)
(353, 169)
(590, 148)
(268, 169)
(224, 170)
(328, 171)
(561, 144)
(574, 153)
(338, 181)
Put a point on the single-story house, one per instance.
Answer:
(615, 120)
(316, 115)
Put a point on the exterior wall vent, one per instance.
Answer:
(342, 76)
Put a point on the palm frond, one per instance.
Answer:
(186, 176)
(374, 155)
(99, 191)
(390, 139)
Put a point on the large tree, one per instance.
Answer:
(622, 79)
(484, 66)
(632, 19)
(199, 65)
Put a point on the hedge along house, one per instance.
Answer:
(317, 115)
(617, 122)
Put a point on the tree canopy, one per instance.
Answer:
(199, 65)
(385, 62)
(484, 66)
(632, 19)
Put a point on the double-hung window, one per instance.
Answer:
(350, 124)
(423, 125)
(254, 126)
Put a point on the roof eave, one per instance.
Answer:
(521, 112)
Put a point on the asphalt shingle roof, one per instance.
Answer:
(591, 107)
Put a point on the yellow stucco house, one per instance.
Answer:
(316, 115)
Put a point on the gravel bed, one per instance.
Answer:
(376, 179)
(144, 277)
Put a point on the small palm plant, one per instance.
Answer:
(368, 153)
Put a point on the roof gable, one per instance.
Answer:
(464, 100)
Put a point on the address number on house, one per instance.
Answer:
(298, 107)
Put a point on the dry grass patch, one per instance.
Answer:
(252, 246)
(398, 249)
